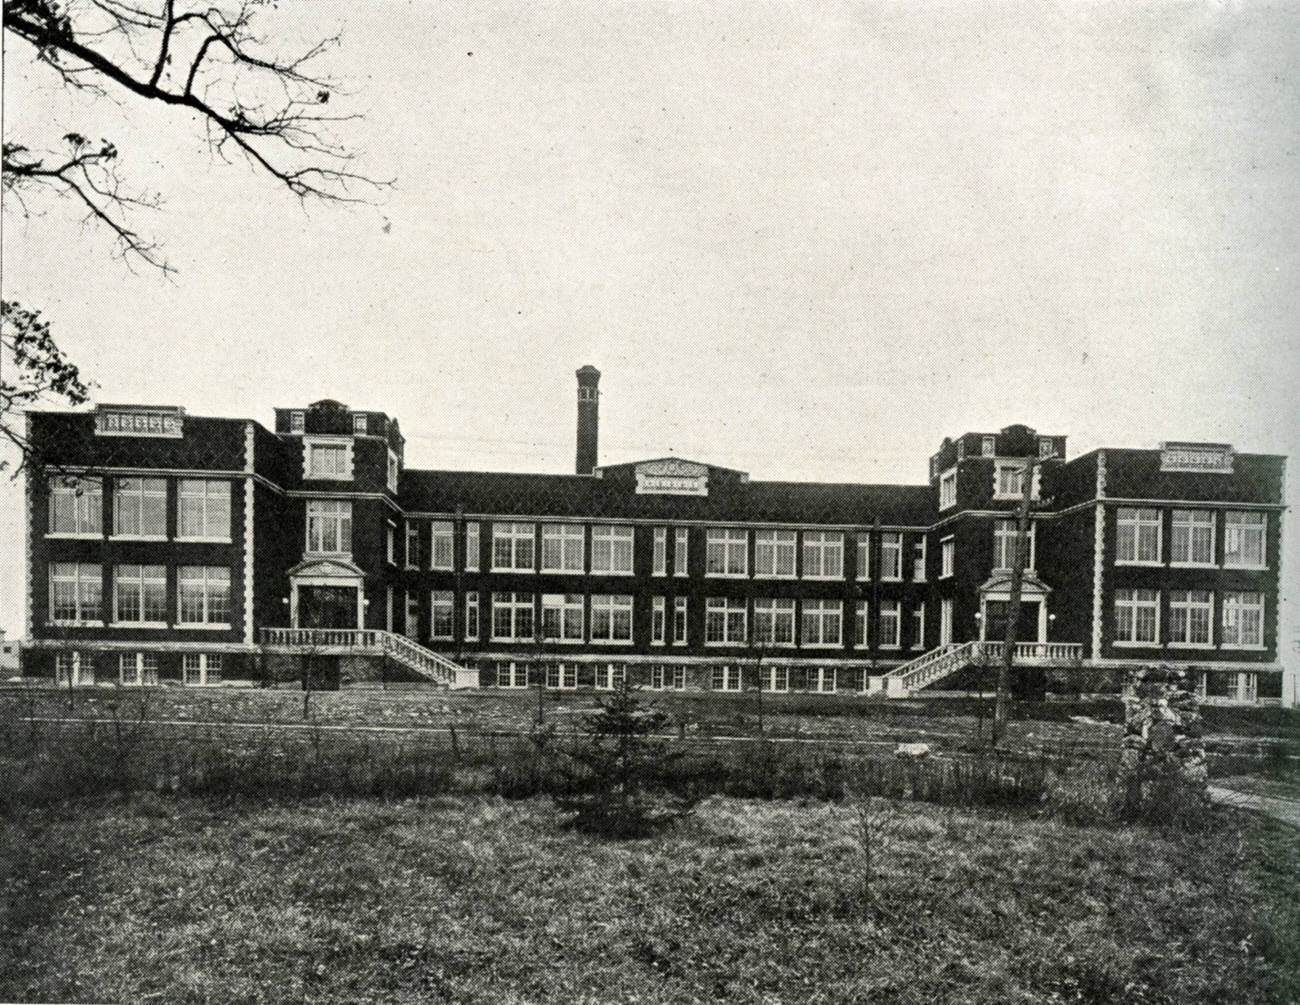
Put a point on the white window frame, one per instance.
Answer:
(720, 613)
(1237, 606)
(947, 556)
(891, 556)
(87, 500)
(1237, 525)
(212, 497)
(297, 421)
(659, 621)
(473, 539)
(918, 625)
(442, 603)
(316, 447)
(1005, 532)
(137, 669)
(1018, 467)
(146, 580)
(515, 604)
(85, 578)
(562, 676)
(727, 549)
(725, 677)
(390, 542)
(948, 489)
(1129, 603)
(680, 607)
(1183, 604)
(71, 666)
(132, 495)
(326, 513)
(200, 669)
(209, 578)
(1183, 527)
(567, 541)
(611, 606)
(821, 613)
(659, 556)
(512, 674)
(681, 551)
(412, 544)
(774, 622)
(864, 555)
(1046, 448)
(609, 676)
(821, 680)
(519, 538)
(919, 557)
(394, 470)
(471, 616)
(861, 624)
(823, 551)
(988, 446)
(776, 679)
(358, 423)
(890, 616)
(612, 549)
(412, 622)
(775, 554)
(1133, 525)
(442, 545)
(562, 607)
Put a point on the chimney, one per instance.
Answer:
(588, 418)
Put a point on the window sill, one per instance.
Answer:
(74, 624)
(137, 537)
(1243, 647)
(201, 540)
(138, 624)
(441, 568)
(612, 572)
(611, 642)
(1192, 565)
(73, 536)
(1246, 568)
(779, 576)
(1189, 645)
(1125, 644)
(441, 638)
(326, 478)
(1137, 564)
(726, 575)
(822, 645)
(824, 579)
(891, 579)
(554, 572)
(497, 568)
(891, 646)
(327, 554)
(194, 627)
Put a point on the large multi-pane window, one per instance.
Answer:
(890, 623)
(667, 677)
(679, 621)
(1191, 540)
(1137, 617)
(823, 554)
(562, 675)
(442, 614)
(512, 547)
(611, 617)
(776, 678)
(726, 552)
(200, 669)
(512, 616)
(1009, 480)
(137, 668)
(947, 557)
(329, 526)
(1243, 539)
(140, 594)
(329, 460)
(725, 677)
(1191, 613)
(140, 507)
(774, 552)
(562, 547)
(74, 668)
(471, 546)
(512, 674)
(562, 617)
(773, 622)
(1243, 619)
(659, 559)
(681, 551)
(611, 549)
(471, 616)
(76, 592)
(659, 621)
(891, 555)
(821, 622)
(1137, 535)
(864, 555)
(860, 624)
(724, 621)
(203, 509)
(203, 595)
(610, 676)
(442, 545)
(948, 489)
(1005, 535)
(76, 506)
(821, 679)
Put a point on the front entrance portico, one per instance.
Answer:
(327, 593)
(995, 604)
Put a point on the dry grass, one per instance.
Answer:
(476, 899)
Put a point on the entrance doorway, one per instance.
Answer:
(996, 613)
(327, 607)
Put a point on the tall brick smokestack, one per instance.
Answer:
(588, 418)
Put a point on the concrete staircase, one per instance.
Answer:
(944, 661)
(370, 642)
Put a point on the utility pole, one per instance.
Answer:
(1000, 707)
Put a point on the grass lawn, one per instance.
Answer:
(465, 899)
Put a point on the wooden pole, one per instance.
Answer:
(1001, 703)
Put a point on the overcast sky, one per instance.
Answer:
(804, 240)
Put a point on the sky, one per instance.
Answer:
(804, 240)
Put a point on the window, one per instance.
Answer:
(471, 546)
(140, 507)
(512, 547)
(1009, 480)
(1137, 617)
(726, 677)
(725, 552)
(774, 622)
(412, 614)
(860, 624)
(776, 679)
(611, 617)
(471, 616)
(442, 545)
(611, 549)
(203, 595)
(390, 542)
(679, 620)
(412, 544)
(199, 669)
(774, 553)
(659, 621)
(823, 554)
(1137, 536)
(76, 506)
(659, 561)
(393, 468)
(662, 677)
(441, 614)
(562, 675)
(140, 594)
(918, 560)
(512, 674)
(1191, 541)
(681, 551)
(724, 621)
(1243, 539)
(388, 608)
(1190, 615)
(74, 668)
(1243, 620)
(512, 616)
(891, 555)
(329, 526)
(610, 676)
(864, 556)
(821, 622)
(1046, 448)
(948, 489)
(918, 625)
(821, 679)
(137, 668)
(203, 510)
(359, 424)
(988, 446)
(296, 423)
(889, 624)
(324, 459)
(76, 592)
(562, 547)
(562, 617)
(947, 557)
(1005, 534)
